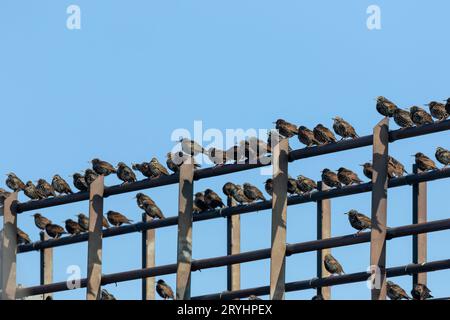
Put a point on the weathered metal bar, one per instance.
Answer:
(94, 263)
(323, 232)
(419, 216)
(233, 247)
(148, 259)
(9, 248)
(184, 256)
(46, 262)
(379, 208)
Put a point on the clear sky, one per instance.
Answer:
(138, 70)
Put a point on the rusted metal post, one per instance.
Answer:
(46, 264)
(94, 278)
(379, 209)
(9, 248)
(323, 232)
(279, 216)
(184, 257)
(419, 216)
(233, 247)
(148, 259)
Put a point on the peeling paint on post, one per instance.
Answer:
(419, 216)
(148, 259)
(233, 247)
(46, 264)
(323, 232)
(9, 248)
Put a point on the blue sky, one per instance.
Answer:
(137, 70)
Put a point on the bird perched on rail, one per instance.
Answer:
(239, 195)
(212, 200)
(83, 221)
(286, 129)
(424, 163)
(32, 192)
(395, 168)
(447, 105)
(247, 152)
(403, 118)
(191, 147)
(175, 160)
(79, 182)
(22, 237)
(125, 173)
(359, 221)
(421, 292)
(40, 221)
(164, 290)
(348, 177)
(143, 168)
(344, 129)
(385, 107)
(367, 170)
(253, 193)
(292, 186)
(395, 292)
(307, 137)
(330, 178)
(54, 231)
(419, 116)
(258, 147)
(105, 295)
(323, 134)
(199, 201)
(45, 188)
(102, 168)
(217, 156)
(90, 176)
(306, 185)
(3, 195)
(268, 186)
(157, 169)
(73, 228)
(443, 156)
(228, 188)
(332, 265)
(60, 185)
(14, 183)
(438, 110)
(149, 206)
(117, 219)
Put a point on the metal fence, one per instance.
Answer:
(277, 253)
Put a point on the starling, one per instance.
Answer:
(235, 154)
(395, 168)
(258, 147)
(195, 209)
(447, 105)
(323, 134)
(268, 186)
(79, 182)
(403, 118)
(344, 129)
(286, 129)
(142, 199)
(149, 206)
(332, 265)
(330, 179)
(40, 221)
(292, 186)
(307, 137)
(443, 156)
(83, 221)
(421, 292)
(359, 221)
(60, 185)
(105, 223)
(73, 227)
(22, 237)
(217, 156)
(212, 199)
(90, 176)
(419, 116)
(395, 292)
(245, 151)
(102, 167)
(117, 219)
(143, 168)
(385, 107)
(14, 183)
(253, 193)
(45, 188)
(191, 147)
(164, 290)
(239, 195)
(228, 189)
(305, 185)
(125, 174)
(318, 297)
(105, 295)
(32, 192)
(175, 160)
(253, 298)
(54, 231)
(199, 201)
(273, 137)
(424, 163)
(157, 169)
(3, 195)
(348, 177)
(438, 110)
(367, 170)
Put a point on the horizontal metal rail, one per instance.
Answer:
(262, 254)
(258, 206)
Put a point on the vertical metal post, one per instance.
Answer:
(279, 217)
(419, 216)
(323, 232)
(379, 208)
(148, 259)
(233, 247)
(93, 290)
(184, 256)
(46, 264)
(9, 248)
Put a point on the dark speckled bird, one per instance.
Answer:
(305, 185)
(330, 178)
(73, 227)
(117, 219)
(228, 188)
(199, 201)
(60, 185)
(22, 237)
(40, 221)
(83, 221)
(403, 118)
(143, 168)
(438, 111)
(45, 188)
(359, 221)
(343, 128)
(253, 193)
(292, 186)
(102, 167)
(152, 210)
(443, 156)
(419, 116)
(395, 292)
(367, 170)
(447, 105)
(424, 163)
(141, 199)
(90, 176)
(3, 195)
(191, 147)
(286, 129)
(164, 290)
(239, 195)
(32, 192)
(79, 182)
(213, 200)
(105, 295)
(14, 183)
(385, 107)
(157, 169)
(395, 167)
(348, 177)
(332, 265)
(125, 174)
(54, 231)
(323, 134)
(175, 160)
(307, 137)
(268, 186)
(421, 292)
